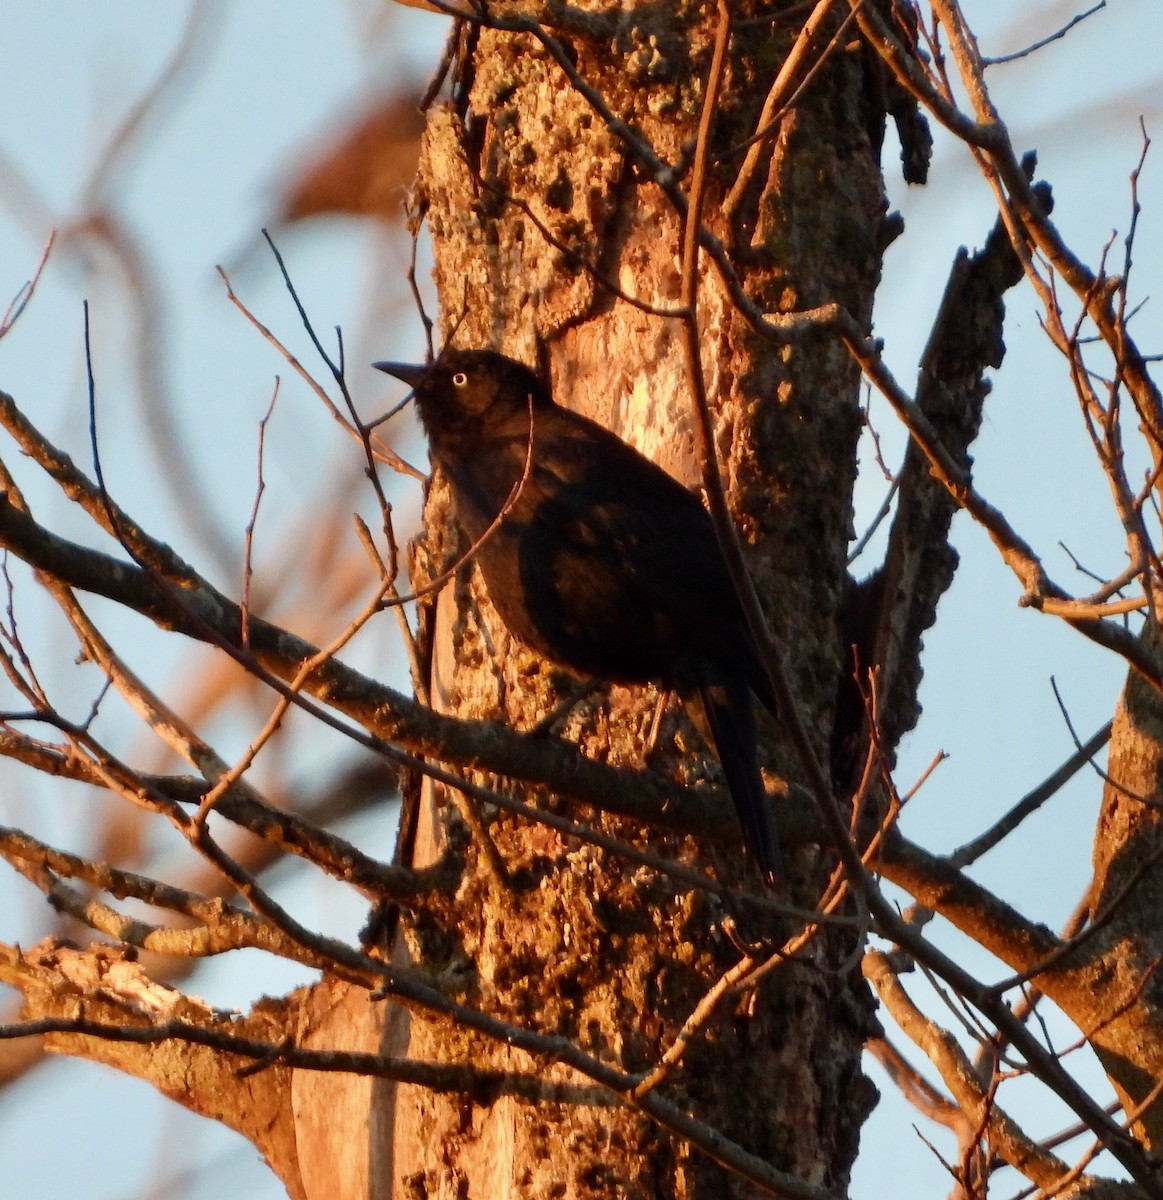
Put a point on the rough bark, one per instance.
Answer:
(110, 989)
(561, 937)
(1121, 1007)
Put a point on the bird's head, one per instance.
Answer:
(477, 384)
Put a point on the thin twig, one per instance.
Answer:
(21, 300)
(1058, 34)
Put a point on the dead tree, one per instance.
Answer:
(571, 983)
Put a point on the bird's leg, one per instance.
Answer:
(492, 856)
(576, 694)
(650, 745)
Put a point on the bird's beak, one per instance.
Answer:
(409, 373)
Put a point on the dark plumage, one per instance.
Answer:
(602, 562)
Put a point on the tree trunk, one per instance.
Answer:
(561, 937)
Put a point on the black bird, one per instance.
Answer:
(601, 562)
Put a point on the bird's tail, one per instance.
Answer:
(731, 718)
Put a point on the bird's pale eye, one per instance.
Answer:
(459, 379)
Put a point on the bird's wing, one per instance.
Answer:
(620, 545)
